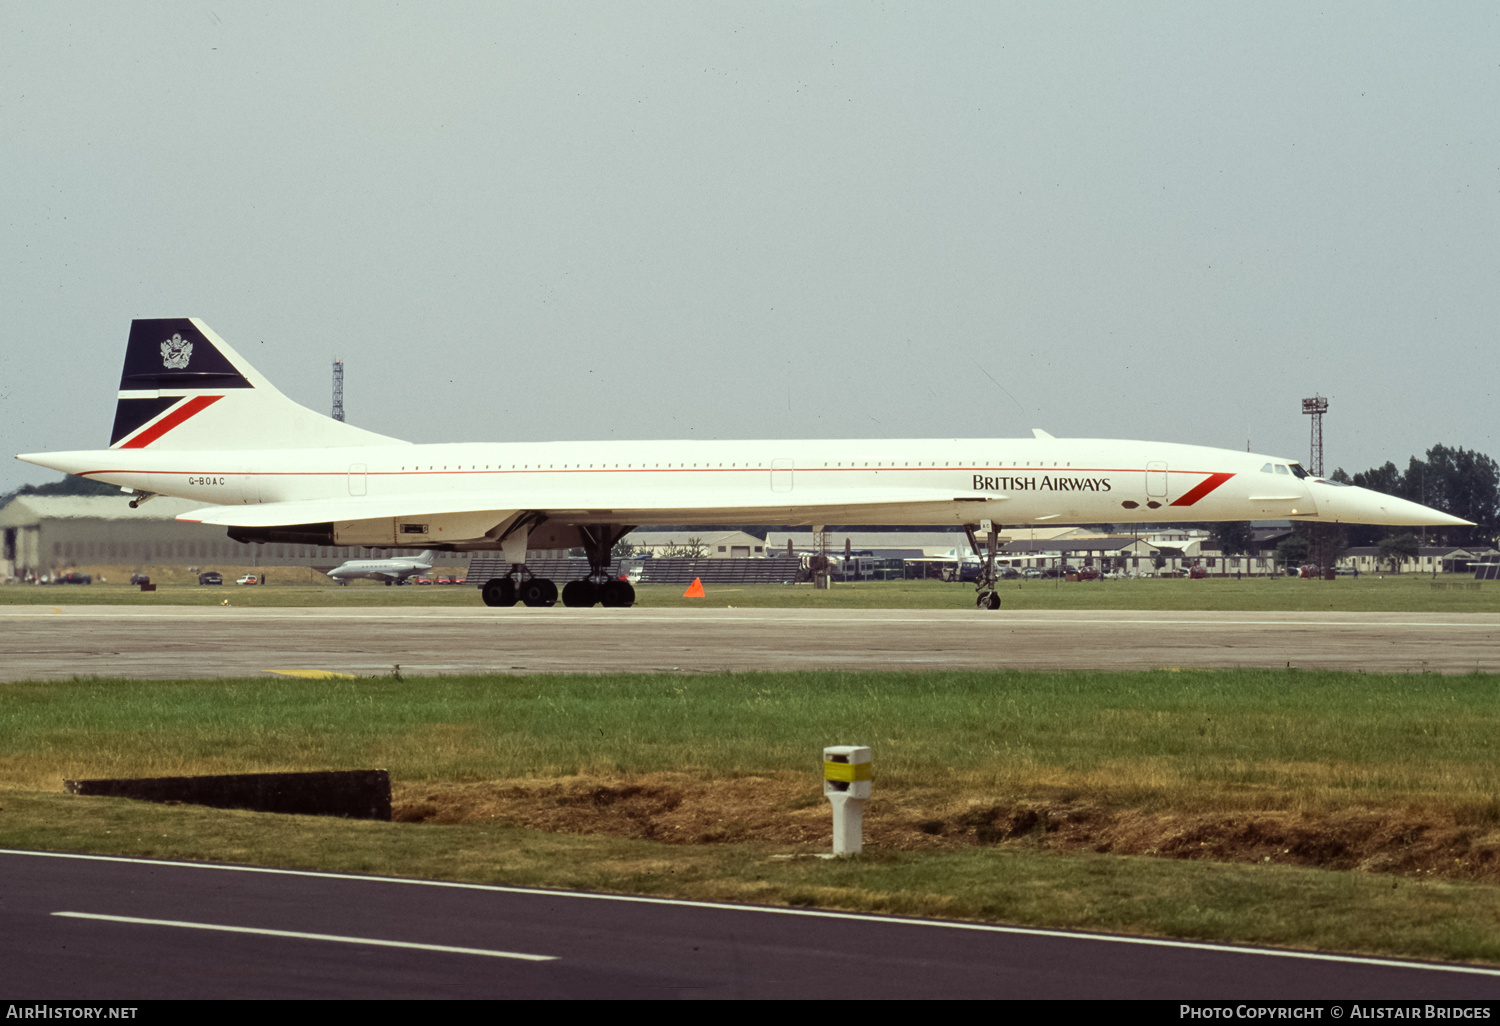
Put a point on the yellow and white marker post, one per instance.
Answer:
(846, 784)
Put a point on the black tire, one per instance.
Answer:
(989, 601)
(500, 591)
(617, 594)
(537, 592)
(579, 594)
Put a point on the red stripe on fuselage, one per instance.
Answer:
(1202, 488)
(194, 406)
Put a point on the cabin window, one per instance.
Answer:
(1281, 469)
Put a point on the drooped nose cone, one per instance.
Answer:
(1350, 504)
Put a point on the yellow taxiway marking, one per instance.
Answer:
(313, 674)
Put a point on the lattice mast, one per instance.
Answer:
(338, 389)
(1315, 408)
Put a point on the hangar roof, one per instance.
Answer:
(30, 510)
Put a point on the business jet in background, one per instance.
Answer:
(395, 570)
(195, 420)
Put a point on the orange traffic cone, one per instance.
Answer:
(695, 590)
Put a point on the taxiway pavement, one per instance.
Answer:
(88, 926)
(60, 642)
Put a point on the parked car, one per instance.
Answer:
(1088, 573)
(139, 579)
(248, 579)
(1197, 573)
(74, 579)
(211, 577)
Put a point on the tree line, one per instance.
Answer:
(1461, 482)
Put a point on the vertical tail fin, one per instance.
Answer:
(183, 387)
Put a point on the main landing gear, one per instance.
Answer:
(598, 588)
(528, 590)
(986, 596)
(519, 584)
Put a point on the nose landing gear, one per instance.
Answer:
(986, 597)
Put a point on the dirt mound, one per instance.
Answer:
(673, 808)
(679, 809)
(1450, 843)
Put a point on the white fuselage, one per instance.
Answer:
(395, 570)
(927, 481)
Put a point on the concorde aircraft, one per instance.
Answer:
(195, 420)
(395, 570)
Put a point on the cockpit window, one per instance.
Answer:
(1281, 469)
(1266, 469)
(1298, 471)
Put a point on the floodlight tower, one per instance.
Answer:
(1315, 408)
(338, 389)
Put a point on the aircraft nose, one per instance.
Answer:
(1351, 504)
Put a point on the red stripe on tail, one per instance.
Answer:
(1202, 488)
(194, 406)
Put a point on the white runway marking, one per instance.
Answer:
(1159, 942)
(293, 934)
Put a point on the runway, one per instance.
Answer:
(57, 643)
(81, 927)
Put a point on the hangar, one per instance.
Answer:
(48, 534)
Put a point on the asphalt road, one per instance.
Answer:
(82, 927)
(45, 642)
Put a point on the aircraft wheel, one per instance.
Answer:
(389, 583)
(579, 593)
(538, 592)
(617, 594)
(989, 601)
(500, 591)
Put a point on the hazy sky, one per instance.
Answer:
(520, 221)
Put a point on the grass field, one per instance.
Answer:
(1343, 811)
(1368, 593)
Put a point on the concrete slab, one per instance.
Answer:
(52, 643)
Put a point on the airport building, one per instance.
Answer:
(712, 543)
(50, 534)
(1430, 559)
